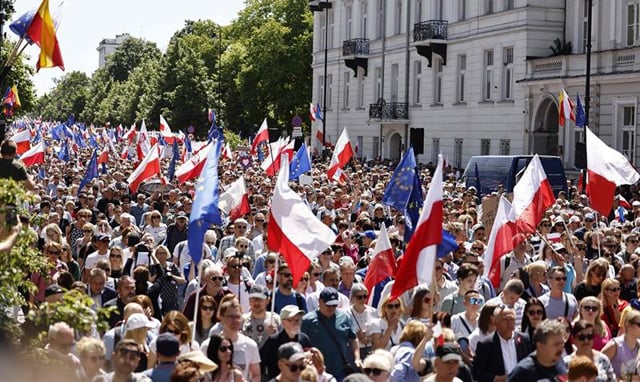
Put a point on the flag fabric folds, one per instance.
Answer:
(11, 100)
(500, 241)
(22, 140)
(20, 26)
(235, 201)
(174, 158)
(312, 112)
(447, 245)
(193, 167)
(92, 171)
(300, 163)
(581, 117)
(34, 155)
(383, 262)
(532, 195)
(566, 108)
(204, 210)
(147, 169)
(342, 154)
(42, 31)
(293, 230)
(261, 136)
(64, 154)
(607, 168)
(418, 260)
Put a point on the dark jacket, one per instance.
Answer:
(107, 294)
(488, 362)
(117, 315)
(269, 351)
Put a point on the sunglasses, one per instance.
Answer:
(96, 358)
(131, 354)
(590, 308)
(535, 312)
(115, 256)
(216, 278)
(562, 278)
(393, 306)
(361, 296)
(235, 266)
(208, 307)
(476, 300)
(174, 331)
(87, 231)
(585, 337)
(317, 274)
(243, 246)
(53, 252)
(287, 275)
(241, 226)
(477, 248)
(296, 368)
(613, 289)
(224, 348)
(633, 241)
(373, 371)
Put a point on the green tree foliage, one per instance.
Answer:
(69, 96)
(130, 55)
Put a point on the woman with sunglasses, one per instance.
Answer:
(220, 351)
(386, 331)
(205, 320)
(72, 264)
(622, 351)
(534, 314)
(537, 278)
(362, 315)
(582, 334)
(592, 284)
(423, 304)
(91, 354)
(590, 310)
(612, 305)
(83, 246)
(377, 366)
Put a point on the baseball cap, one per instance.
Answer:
(370, 234)
(290, 311)
(167, 345)
(449, 352)
(181, 215)
(258, 291)
(291, 351)
(137, 321)
(574, 219)
(636, 203)
(590, 216)
(103, 237)
(53, 289)
(329, 296)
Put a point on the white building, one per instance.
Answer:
(465, 77)
(108, 46)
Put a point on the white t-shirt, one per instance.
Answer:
(245, 353)
(93, 259)
(380, 325)
(458, 322)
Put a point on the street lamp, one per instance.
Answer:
(319, 6)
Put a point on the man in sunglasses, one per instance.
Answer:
(556, 302)
(125, 358)
(291, 362)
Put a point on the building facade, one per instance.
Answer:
(472, 77)
(107, 46)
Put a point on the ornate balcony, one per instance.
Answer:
(431, 37)
(388, 111)
(356, 53)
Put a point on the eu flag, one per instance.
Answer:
(204, 210)
(581, 116)
(414, 206)
(63, 154)
(215, 131)
(300, 163)
(20, 26)
(92, 171)
(172, 165)
(447, 245)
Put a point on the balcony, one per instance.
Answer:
(318, 6)
(389, 111)
(430, 37)
(356, 53)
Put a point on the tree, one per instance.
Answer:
(130, 55)
(69, 96)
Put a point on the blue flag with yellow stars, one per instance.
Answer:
(300, 163)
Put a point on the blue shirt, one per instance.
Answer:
(283, 300)
(403, 370)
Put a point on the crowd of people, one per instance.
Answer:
(566, 308)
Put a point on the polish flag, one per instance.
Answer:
(142, 143)
(235, 200)
(104, 156)
(606, 169)
(22, 140)
(130, 134)
(383, 262)
(418, 261)
(532, 196)
(226, 152)
(125, 152)
(282, 147)
(312, 112)
(147, 169)
(293, 230)
(500, 241)
(567, 108)
(165, 131)
(261, 136)
(341, 156)
(320, 136)
(34, 155)
(192, 168)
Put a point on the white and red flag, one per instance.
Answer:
(383, 261)
(532, 196)
(226, 152)
(567, 108)
(418, 260)
(271, 164)
(500, 241)
(22, 140)
(147, 169)
(165, 131)
(261, 136)
(606, 169)
(312, 112)
(235, 201)
(342, 154)
(34, 155)
(192, 168)
(293, 230)
(143, 141)
(130, 134)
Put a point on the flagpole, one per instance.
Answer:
(273, 294)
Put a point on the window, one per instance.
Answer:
(417, 86)
(376, 147)
(395, 73)
(379, 18)
(363, 23)
(508, 4)
(505, 147)
(439, 10)
(507, 77)
(346, 89)
(435, 144)
(462, 9)
(348, 11)
(360, 88)
(633, 8)
(462, 69)
(329, 90)
(321, 91)
(629, 132)
(378, 84)
(418, 16)
(437, 80)
(358, 147)
(488, 7)
(488, 75)
(485, 147)
(457, 153)
(585, 25)
(397, 17)
(331, 28)
(323, 28)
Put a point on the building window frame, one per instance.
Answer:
(437, 81)
(485, 147)
(460, 85)
(625, 127)
(505, 147)
(364, 19)
(435, 149)
(632, 22)
(507, 76)
(487, 77)
(417, 85)
(458, 149)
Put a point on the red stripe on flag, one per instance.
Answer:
(601, 192)
(296, 259)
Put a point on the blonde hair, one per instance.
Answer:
(88, 345)
(599, 325)
(385, 302)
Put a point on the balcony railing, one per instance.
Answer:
(391, 110)
(430, 30)
(356, 47)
